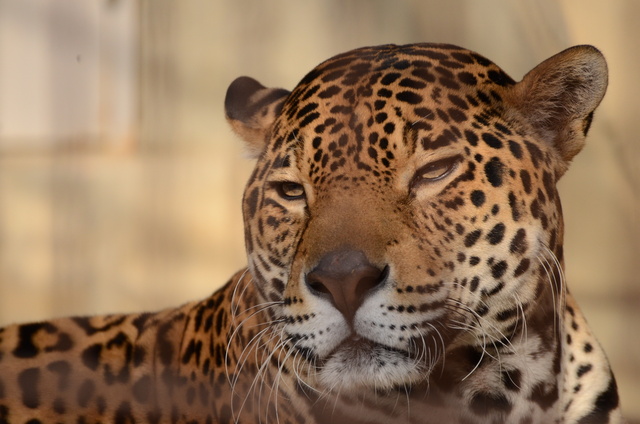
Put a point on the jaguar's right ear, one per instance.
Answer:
(251, 109)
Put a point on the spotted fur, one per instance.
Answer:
(404, 238)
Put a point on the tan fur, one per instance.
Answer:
(405, 246)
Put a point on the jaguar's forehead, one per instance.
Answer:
(390, 86)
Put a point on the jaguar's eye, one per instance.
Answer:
(435, 171)
(289, 190)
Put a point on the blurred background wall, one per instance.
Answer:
(120, 183)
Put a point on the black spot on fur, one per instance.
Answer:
(583, 369)
(473, 285)
(488, 403)
(409, 97)
(411, 83)
(497, 289)
(507, 314)
(516, 149)
(123, 414)
(164, 345)
(477, 197)
(383, 92)
(252, 202)
(329, 92)
(306, 110)
(549, 186)
(26, 347)
(139, 355)
(496, 234)
(535, 153)
(471, 137)
(389, 78)
(519, 242)
(472, 238)
(605, 403)
(515, 210)
(28, 382)
(503, 129)
(494, 169)
(467, 78)
(544, 396)
(459, 102)
(389, 128)
(526, 181)
(91, 356)
(500, 78)
(309, 119)
(457, 115)
(498, 269)
(192, 351)
(221, 319)
(492, 140)
(512, 379)
(140, 321)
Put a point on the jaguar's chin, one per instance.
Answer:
(359, 364)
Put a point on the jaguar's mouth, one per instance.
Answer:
(357, 342)
(360, 363)
(359, 345)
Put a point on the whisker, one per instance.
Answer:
(242, 360)
(436, 354)
(239, 327)
(562, 287)
(480, 320)
(235, 297)
(298, 358)
(260, 374)
(546, 265)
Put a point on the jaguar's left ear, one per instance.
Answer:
(558, 98)
(251, 109)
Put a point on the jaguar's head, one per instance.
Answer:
(403, 204)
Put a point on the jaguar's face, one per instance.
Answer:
(400, 210)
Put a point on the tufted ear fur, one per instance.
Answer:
(251, 109)
(558, 98)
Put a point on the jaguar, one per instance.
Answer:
(404, 238)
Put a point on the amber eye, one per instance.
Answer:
(290, 191)
(435, 171)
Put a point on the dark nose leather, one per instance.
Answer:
(345, 277)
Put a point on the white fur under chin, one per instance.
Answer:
(369, 367)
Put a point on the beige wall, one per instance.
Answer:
(120, 182)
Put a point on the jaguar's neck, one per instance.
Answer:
(477, 377)
(234, 342)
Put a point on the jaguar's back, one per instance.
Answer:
(404, 238)
(176, 365)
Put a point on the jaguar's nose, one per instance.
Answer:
(345, 278)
